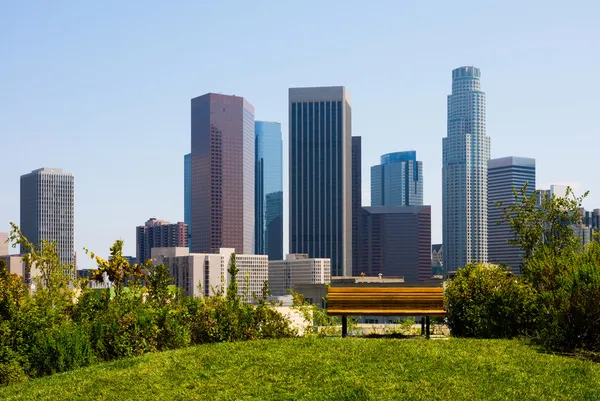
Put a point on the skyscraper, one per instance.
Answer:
(321, 175)
(187, 194)
(159, 234)
(398, 180)
(356, 200)
(47, 210)
(504, 175)
(396, 241)
(269, 190)
(466, 151)
(222, 173)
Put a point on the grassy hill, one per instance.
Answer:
(330, 369)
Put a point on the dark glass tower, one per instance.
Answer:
(187, 195)
(321, 175)
(222, 184)
(356, 201)
(398, 180)
(269, 190)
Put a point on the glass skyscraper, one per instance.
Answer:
(321, 175)
(222, 181)
(269, 190)
(398, 180)
(466, 151)
(504, 175)
(356, 201)
(187, 194)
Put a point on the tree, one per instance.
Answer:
(117, 268)
(159, 280)
(542, 219)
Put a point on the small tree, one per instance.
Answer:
(232, 285)
(542, 219)
(159, 280)
(117, 268)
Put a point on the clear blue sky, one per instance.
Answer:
(102, 89)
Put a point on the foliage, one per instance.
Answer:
(566, 277)
(59, 349)
(541, 218)
(63, 324)
(569, 297)
(117, 268)
(487, 301)
(159, 280)
(316, 368)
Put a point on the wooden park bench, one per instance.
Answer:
(385, 301)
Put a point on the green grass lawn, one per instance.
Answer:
(330, 369)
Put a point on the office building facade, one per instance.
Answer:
(296, 270)
(396, 241)
(268, 184)
(187, 195)
(48, 210)
(158, 234)
(203, 274)
(320, 157)
(222, 159)
(505, 175)
(397, 180)
(466, 151)
(356, 198)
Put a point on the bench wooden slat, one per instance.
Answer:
(386, 301)
(333, 290)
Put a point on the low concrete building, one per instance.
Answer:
(297, 269)
(204, 274)
(3, 244)
(16, 265)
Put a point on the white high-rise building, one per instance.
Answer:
(204, 274)
(466, 151)
(47, 210)
(297, 269)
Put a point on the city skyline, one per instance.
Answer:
(130, 91)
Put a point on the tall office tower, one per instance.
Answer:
(321, 175)
(464, 172)
(159, 234)
(222, 174)
(396, 241)
(398, 180)
(592, 219)
(187, 195)
(356, 200)
(269, 190)
(47, 210)
(504, 175)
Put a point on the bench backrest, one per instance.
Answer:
(386, 301)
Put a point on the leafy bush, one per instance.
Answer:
(487, 301)
(127, 327)
(59, 349)
(569, 302)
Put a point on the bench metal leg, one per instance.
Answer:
(422, 326)
(428, 327)
(344, 326)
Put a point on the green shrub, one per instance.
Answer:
(487, 301)
(174, 328)
(126, 328)
(569, 316)
(59, 349)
